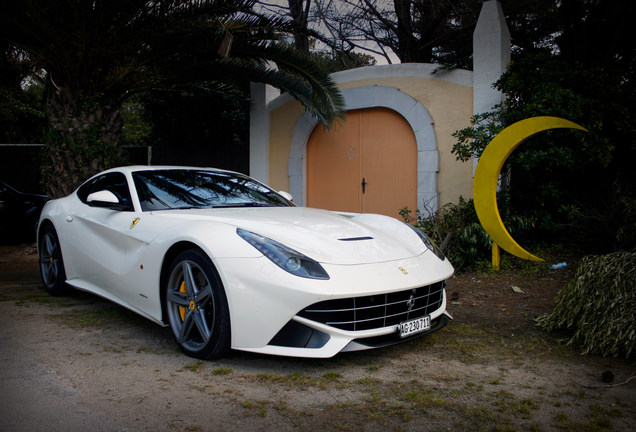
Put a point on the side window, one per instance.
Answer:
(113, 182)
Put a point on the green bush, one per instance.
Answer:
(599, 306)
(457, 231)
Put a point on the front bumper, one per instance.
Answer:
(267, 304)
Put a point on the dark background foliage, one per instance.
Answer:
(578, 187)
(179, 93)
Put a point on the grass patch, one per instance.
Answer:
(425, 399)
(222, 371)
(102, 315)
(259, 407)
(81, 318)
(143, 350)
(368, 381)
(195, 366)
(299, 380)
(468, 343)
(37, 297)
(380, 404)
(392, 405)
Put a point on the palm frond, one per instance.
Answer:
(315, 89)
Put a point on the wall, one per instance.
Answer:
(435, 104)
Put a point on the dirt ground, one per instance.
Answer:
(82, 363)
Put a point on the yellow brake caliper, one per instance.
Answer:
(182, 311)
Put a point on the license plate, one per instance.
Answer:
(408, 328)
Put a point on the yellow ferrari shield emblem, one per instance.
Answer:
(134, 222)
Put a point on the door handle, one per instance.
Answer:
(364, 185)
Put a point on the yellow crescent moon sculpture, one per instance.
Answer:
(487, 176)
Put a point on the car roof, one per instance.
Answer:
(137, 168)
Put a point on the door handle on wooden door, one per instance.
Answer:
(364, 185)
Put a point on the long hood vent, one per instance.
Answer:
(356, 239)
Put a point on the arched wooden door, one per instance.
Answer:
(367, 165)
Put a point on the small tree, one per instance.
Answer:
(22, 118)
(98, 54)
(413, 30)
(568, 181)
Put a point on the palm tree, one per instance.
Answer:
(98, 53)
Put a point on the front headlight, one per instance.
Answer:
(429, 244)
(284, 257)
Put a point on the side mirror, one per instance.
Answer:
(286, 195)
(103, 198)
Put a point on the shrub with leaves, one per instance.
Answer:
(457, 231)
(599, 306)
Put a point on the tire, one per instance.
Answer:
(197, 308)
(51, 262)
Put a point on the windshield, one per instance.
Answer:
(185, 189)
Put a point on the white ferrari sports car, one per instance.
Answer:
(228, 263)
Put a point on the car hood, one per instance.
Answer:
(322, 235)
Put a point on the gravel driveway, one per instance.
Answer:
(80, 363)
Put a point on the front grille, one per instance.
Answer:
(377, 311)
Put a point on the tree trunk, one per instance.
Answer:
(417, 31)
(84, 139)
(404, 30)
(300, 16)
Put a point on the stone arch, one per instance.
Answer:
(373, 96)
